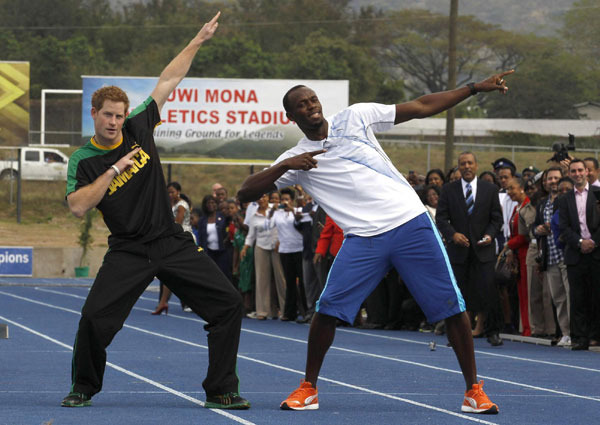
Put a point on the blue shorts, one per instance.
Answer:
(415, 249)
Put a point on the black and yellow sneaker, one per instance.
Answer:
(227, 401)
(76, 400)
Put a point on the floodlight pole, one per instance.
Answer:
(451, 113)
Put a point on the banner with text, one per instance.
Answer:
(227, 118)
(16, 261)
(14, 103)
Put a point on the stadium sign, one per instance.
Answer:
(16, 261)
(221, 117)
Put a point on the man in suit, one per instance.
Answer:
(469, 217)
(579, 223)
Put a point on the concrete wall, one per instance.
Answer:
(61, 262)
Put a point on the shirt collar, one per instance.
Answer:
(585, 189)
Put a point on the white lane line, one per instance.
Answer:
(135, 375)
(378, 356)
(487, 353)
(193, 344)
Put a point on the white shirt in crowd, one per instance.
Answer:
(355, 182)
(290, 239)
(187, 224)
(508, 206)
(212, 236)
(260, 232)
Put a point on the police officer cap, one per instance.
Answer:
(504, 162)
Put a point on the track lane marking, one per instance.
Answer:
(347, 350)
(133, 374)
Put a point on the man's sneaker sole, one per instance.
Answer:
(490, 410)
(240, 406)
(313, 406)
(84, 403)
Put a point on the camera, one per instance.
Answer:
(561, 150)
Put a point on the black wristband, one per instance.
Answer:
(471, 87)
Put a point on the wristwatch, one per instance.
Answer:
(471, 87)
(579, 243)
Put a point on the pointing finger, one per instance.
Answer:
(314, 153)
(132, 153)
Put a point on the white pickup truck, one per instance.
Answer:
(36, 164)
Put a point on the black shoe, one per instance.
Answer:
(227, 401)
(579, 346)
(305, 319)
(76, 400)
(495, 340)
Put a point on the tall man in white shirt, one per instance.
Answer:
(384, 221)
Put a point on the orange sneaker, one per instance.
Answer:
(476, 401)
(304, 398)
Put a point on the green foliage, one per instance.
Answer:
(85, 236)
(331, 58)
(387, 55)
(546, 85)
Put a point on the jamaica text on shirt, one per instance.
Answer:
(139, 161)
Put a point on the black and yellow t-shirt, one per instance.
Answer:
(136, 205)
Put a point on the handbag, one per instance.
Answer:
(504, 272)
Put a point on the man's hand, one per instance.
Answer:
(486, 240)
(460, 239)
(243, 252)
(587, 246)
(495, 82)
(126, 162)
(542, 230)
(305, 161)
(207, 30)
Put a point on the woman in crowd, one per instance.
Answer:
(274, 200)
(489, 177)
(453, 174)
(243, 269)
(517, 247)
(180, 205)
(435, 177)
(213, 236)
(290, 246)
(270, 281)
(430, 196)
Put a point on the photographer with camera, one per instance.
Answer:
(552, 264)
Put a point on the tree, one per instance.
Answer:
(545, 85)
(333, 58)
(416, 47)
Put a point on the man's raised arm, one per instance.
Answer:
(180, 65)
(434, 103)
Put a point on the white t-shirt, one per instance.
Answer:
(187, 225)
(355, 182)
(290, 239)
(212, 236)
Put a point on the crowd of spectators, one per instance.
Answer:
(523, 247)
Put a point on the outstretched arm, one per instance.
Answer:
(264, 181)
(180, 65)
(431, 104)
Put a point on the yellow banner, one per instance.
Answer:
(14, 103)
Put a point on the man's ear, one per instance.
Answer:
(93, 112)
(289, 116)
